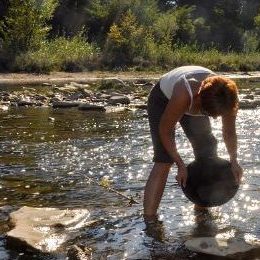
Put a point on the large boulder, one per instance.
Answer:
(45, 229)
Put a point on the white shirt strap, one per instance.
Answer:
(188, 87)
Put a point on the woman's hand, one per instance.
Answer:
(182, 175)
(237, 171)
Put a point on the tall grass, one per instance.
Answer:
(76, 54)
(60, 54)
(215, 59)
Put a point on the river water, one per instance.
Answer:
(47, 155)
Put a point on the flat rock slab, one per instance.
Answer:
(46, 229)
(91, 107)
(114, 100)
(65, 104)
(220, 246)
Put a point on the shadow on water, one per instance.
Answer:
(47, 155)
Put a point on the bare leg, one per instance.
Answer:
(154, 189)
(200, 208)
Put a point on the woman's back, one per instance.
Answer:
(168, 80)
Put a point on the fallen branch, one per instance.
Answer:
(105, 185)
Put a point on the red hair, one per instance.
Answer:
(219, 95)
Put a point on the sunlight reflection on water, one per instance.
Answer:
(54, 159)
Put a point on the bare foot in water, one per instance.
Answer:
(154, 227)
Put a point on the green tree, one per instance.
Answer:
(102, 14)
(25, 25)
(175, 26)
(124, 41)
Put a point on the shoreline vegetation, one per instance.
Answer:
(128, 36)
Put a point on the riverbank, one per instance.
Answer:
(60, 78)
(100, 90)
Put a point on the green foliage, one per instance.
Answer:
(166, 27)
(25, 25)
(136, 34)
(125, 41)
(101, 15)
(73, 54)
(186, 29)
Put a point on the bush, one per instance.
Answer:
(124, 41)
(73, 54)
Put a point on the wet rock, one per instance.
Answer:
(257, 102)
(40, 228)
(75, 96)
(245, 91)
(103, 96)
(79, 253)
(86, 92)
(51, 119)
(115, 100)
(65, 104)
(220, 246)
(4, 107)
(249, 96)
(23, 103)
(5, 96)
(115, 109)
(4, 212)
(257, 91)
(40, 97)
(247, 104)
(143, 83)
(139, 106)
(91, 107)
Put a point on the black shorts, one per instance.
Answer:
(196, 128)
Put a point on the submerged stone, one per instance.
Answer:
(79, 253)
(45, 229)
(65, 104)
(91, 107)
(220, 246)
(114, 100)
(247, 104)
(22, 103)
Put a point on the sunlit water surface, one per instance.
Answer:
(46, 162)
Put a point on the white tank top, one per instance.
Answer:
(169, 80)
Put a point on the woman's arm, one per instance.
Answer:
(177, 106)
(230, 139)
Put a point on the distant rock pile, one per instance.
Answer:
(102, 96)
(249, 98)
(82, 96)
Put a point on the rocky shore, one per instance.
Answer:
(104, 94)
